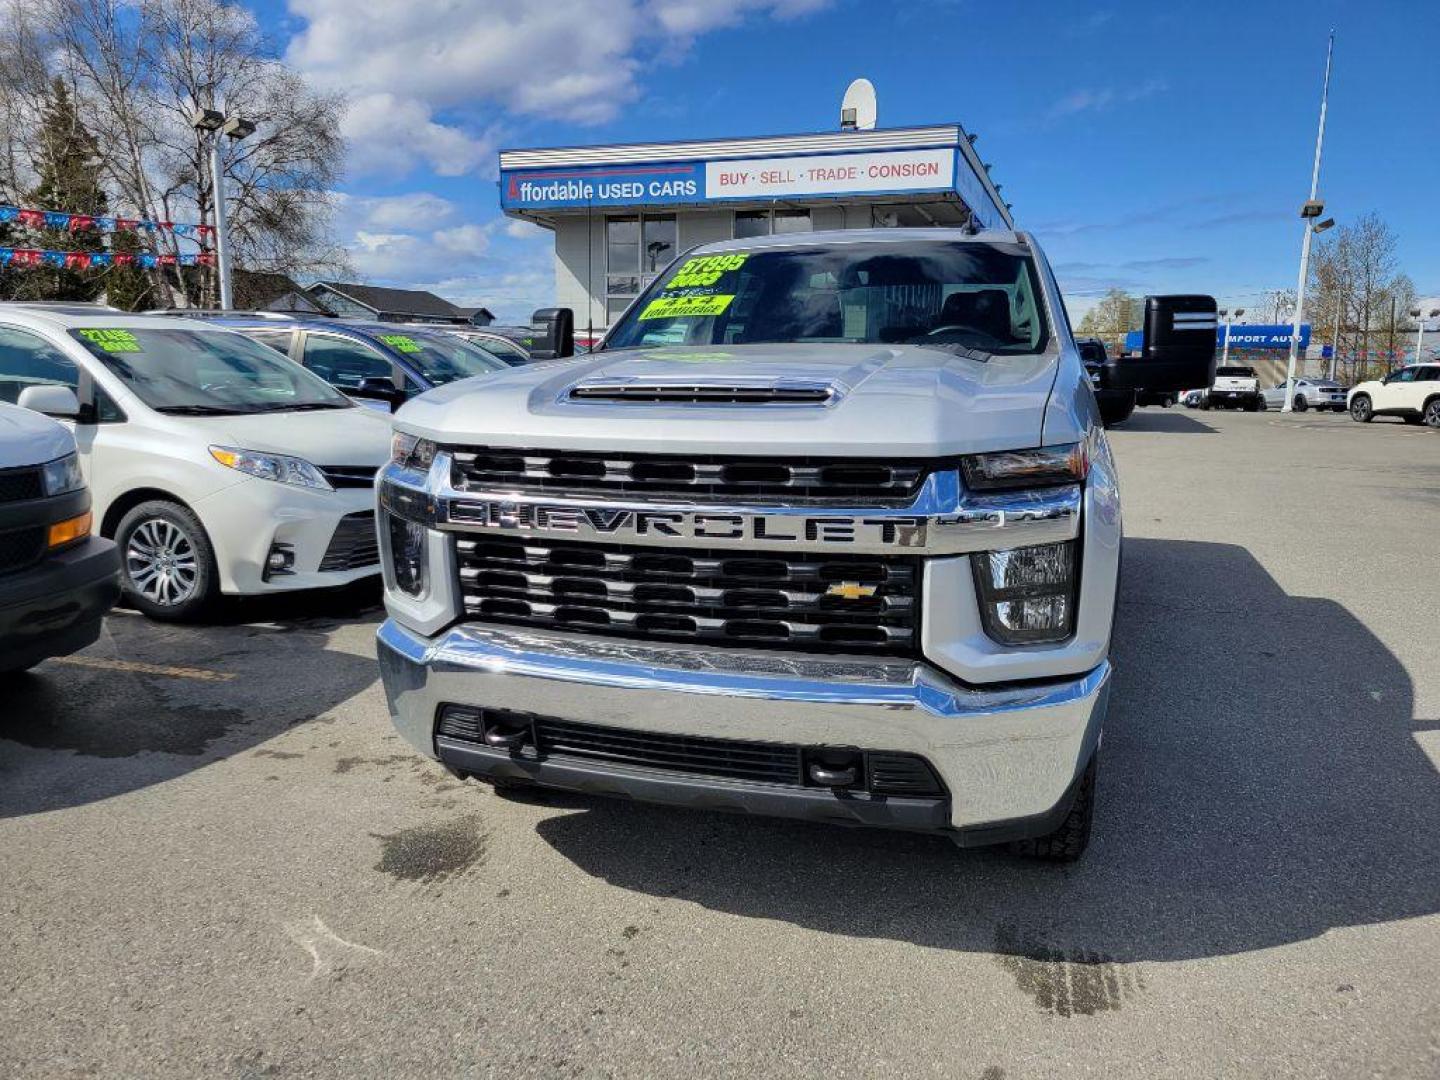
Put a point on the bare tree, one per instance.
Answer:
(1361, 293)
(139, 69)
(1277, 305)
(1111, 317)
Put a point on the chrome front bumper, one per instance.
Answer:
(1008, 756)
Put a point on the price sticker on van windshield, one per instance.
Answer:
(682, 307)
(400, 343)
(114, 341)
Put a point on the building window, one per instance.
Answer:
(764, 222)
(637, 248)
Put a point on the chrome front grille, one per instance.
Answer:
(814, 601)
(850, 481)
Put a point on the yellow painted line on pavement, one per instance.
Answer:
(202, 674)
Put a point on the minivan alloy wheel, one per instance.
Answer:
(160, 562)
(1432, 413)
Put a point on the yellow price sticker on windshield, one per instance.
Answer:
(685, 307)
(400, 342)
(704, 270)
(112, 340)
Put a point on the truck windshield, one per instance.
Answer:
(976, 295)
(207, 372)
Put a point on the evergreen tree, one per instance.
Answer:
(66, 160)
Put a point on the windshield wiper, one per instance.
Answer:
(302, 406)
(199, 410)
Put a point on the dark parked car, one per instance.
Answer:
(384, 363)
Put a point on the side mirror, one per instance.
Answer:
(1177, 346)
(378, 388)
(554, 333)
(1115, 406)
(51, 399)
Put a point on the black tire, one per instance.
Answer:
(1431, 413)
(1261, 406)
(167, 540)
(1300, 403)
(1361, 409)
(1068, 842)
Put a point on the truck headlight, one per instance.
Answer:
(1042, 466)
(281, 468)
(408, 559)
(411, 451)
(1027, 595)
(63, 475)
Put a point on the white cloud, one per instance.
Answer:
(394, 213)
(517, 229)
(427, 77)
(1099, 99)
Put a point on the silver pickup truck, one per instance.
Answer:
(827, 528)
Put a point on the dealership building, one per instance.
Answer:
(621, 213)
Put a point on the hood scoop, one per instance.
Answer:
(635, 392)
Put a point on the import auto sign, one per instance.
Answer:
(831, 174)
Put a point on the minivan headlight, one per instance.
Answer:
(281, 468)
(1027, 595)
(63, 475)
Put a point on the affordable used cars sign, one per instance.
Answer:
(602, 185)
(694, 182)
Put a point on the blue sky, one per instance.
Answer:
(1155, 147)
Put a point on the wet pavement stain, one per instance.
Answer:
(1065, 982)
(349, 764)
(429, 854)
(93, 719)
(279, 755)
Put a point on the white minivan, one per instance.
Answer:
(216, 465)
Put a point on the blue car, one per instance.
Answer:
(381, 364)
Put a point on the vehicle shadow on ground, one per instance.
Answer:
(1261, 784)
(1172, 419)
(151, 701)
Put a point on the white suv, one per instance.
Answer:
(217, 465)
(1411, 393)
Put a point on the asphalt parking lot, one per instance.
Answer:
(217, 860)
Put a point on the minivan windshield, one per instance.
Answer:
(207, 372)
(971, 295)
(442, 358)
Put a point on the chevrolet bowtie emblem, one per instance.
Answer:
(850, 590)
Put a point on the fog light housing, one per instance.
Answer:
(1027, 595)
(279, 562)
(408, 559)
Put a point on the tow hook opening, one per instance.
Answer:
(838, 768)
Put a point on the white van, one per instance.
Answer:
(217, 465)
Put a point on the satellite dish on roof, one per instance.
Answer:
(857, 108)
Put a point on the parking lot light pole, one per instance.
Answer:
(215, 124)
(1419, 316)
(1228, 315)
(1312, 209)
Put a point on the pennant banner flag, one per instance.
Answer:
(85, 260)
(58, 220)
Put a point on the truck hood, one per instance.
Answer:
(879, 401)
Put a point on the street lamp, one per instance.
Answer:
(214, 124)
(1228, 315)
(1312, 210)
(1416, 314)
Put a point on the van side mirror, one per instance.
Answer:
(378, 388)
(554, 333)
(50, 399)
(1177, 349)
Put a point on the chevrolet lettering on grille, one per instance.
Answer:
(657, 526)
